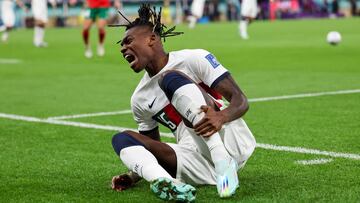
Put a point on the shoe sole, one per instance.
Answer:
(165, 189)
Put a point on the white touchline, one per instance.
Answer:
(91, 114)
(316, 94)
(9, 61)
(314, 161)
(116, 128)
(253, 100)
(308, 151)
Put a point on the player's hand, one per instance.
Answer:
(124, 181)
(210, 124)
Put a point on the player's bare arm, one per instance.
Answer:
(213, 120)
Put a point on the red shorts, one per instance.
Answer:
(98, 3)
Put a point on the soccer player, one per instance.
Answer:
(249, 11)
(197, 10)
(97, 9)
(182, 91)
(40, 11)
(8, 17)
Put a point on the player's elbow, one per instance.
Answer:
(244, 106)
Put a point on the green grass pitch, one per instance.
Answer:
(42, 162)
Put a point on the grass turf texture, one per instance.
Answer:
(51, 163)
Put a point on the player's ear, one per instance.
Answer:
(152, 39)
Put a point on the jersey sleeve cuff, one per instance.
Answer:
(221, 77)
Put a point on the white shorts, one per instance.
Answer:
(197, 8)
(8, 13)
(39, 9)
(249, 8)
(194, 165)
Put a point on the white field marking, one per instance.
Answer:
(261, 99)
(116, 128)
(316, 94)
(313, 162)
(9, 61)
(91, 115)
(308, 151)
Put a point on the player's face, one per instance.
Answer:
(135, 47)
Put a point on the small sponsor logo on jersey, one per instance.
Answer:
(152, 103)
(211, 58)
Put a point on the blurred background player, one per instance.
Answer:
(97, 9)
(8, 16)
(40, 12)
(197, 10)
(249, 11)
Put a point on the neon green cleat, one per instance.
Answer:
(227, 179)
(167, 189)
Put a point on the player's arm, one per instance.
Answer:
(238, 106)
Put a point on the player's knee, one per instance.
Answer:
(123, 140)
(171, 81)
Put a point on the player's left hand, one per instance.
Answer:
(210, 124)
(121, 182)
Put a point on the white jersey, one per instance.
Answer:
(197, 8)
(249, 8)
(149, 103)
(150, 106)
(8, 13)
(40, 10)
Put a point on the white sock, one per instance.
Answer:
(143, 162)
(5, 36)
(39, 33)
(2, 28)
(243, 29)
(192, 21)
(187, 100)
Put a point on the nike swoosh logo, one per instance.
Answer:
(152, 103)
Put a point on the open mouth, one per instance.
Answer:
(129, 58)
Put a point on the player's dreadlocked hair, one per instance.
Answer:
(149, 17)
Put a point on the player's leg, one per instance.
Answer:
(8, 18)
(39, 33)
(197, 9)
(155, 162)
(244, 22)
(187, 98)
(248, 13)
(101, 24)
(39, 9)
(89, 20)
(86, 35)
